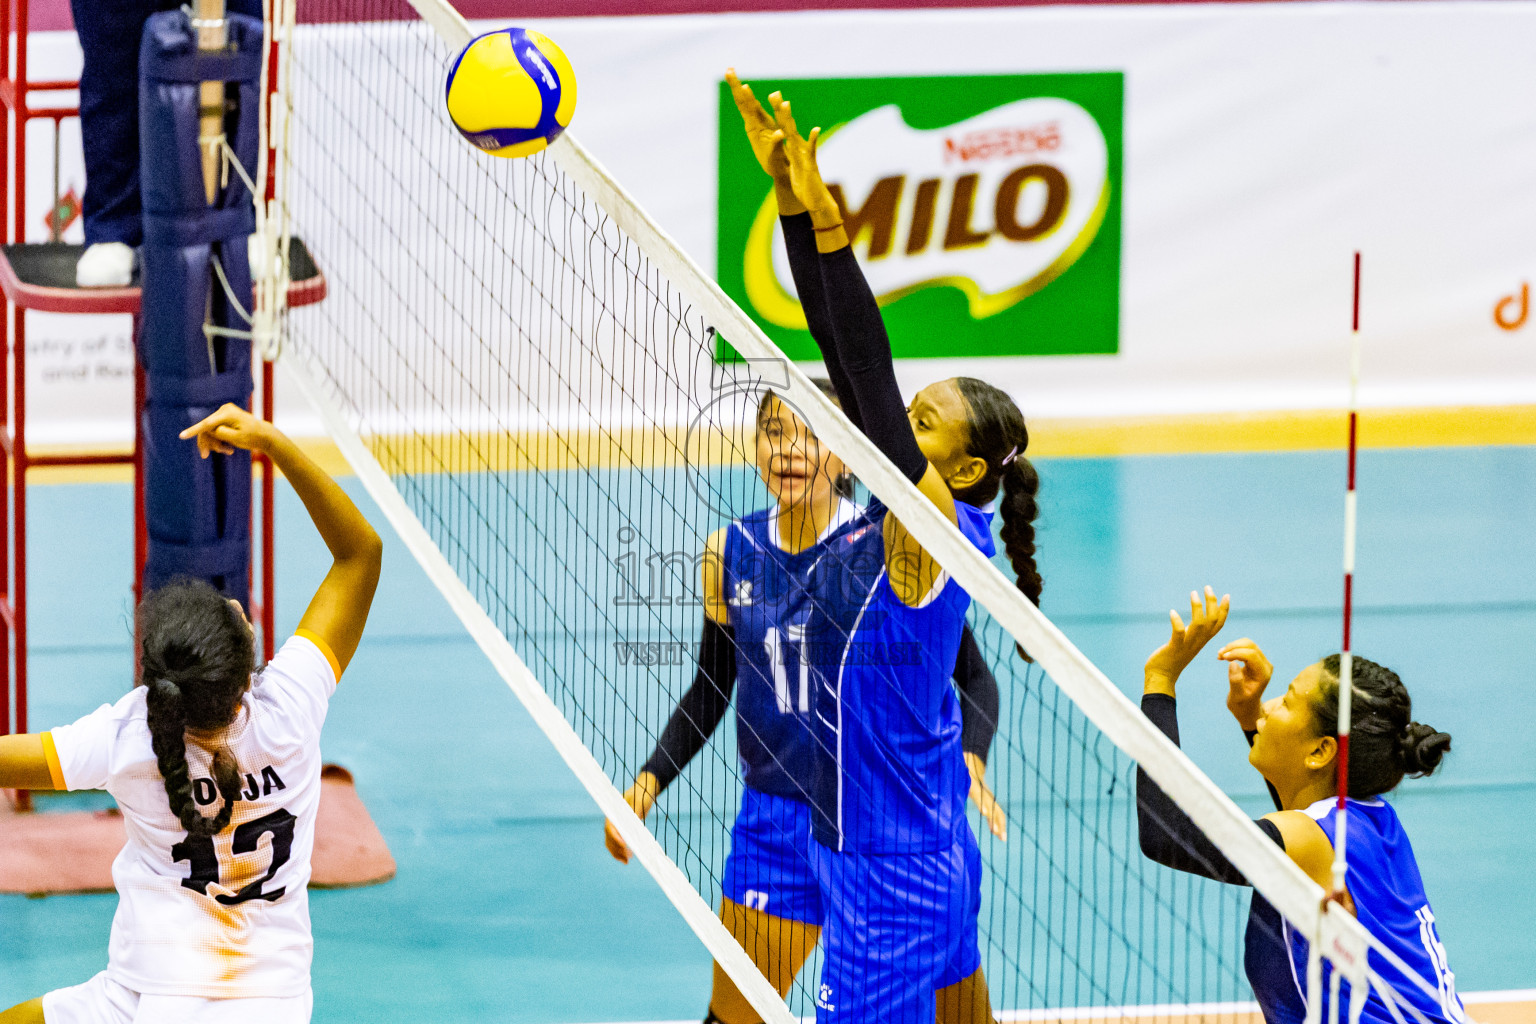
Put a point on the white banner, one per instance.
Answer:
(1263, 145)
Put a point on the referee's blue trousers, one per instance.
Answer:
(110, 32)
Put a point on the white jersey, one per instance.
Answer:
(225, 916)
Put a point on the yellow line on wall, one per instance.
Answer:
(549, 451)
(651, 448)
(1311, 430)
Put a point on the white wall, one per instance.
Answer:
(1264, 144)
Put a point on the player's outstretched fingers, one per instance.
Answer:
(746, 102)
(1219, 608)
(615, 843)
(228, 428)
(206, 433)
(1178, 625)
(208, 422)
(742, 94)
(785, 119)
(992, 811)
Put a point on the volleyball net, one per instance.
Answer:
(522, 368)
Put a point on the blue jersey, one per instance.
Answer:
(888, 774)
(766, 594)
(1383, 879)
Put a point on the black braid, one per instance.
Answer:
(196, 658)
(167, 732)
(1020, 485)
(999, 437)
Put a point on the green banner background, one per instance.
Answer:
(1076, 314)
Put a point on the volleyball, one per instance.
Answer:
(511, 92)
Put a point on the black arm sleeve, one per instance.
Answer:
(864, 355)
(702, 707)
(1249, 734)
(805, 267)
(1167, 834)
(979, 697)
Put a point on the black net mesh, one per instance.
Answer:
(549, 405)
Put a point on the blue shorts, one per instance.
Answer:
(767, 868)
(900, 927)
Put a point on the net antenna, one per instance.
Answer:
(510, 357)
(1357, 991)
(1346, 660)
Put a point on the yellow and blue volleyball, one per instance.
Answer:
(511, 92)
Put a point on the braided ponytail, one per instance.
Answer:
(196, 656)
(1020, 485)
(999, 438)
(167, 733)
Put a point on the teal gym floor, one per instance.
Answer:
(507, 906)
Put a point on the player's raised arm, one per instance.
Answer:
(340, 606)
(763, 137)
(1167, 834)
(863, 347)
(766, 140)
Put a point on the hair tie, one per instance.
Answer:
(1013, 453)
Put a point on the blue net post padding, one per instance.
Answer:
(198, 511)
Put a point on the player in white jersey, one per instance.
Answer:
(216, 769)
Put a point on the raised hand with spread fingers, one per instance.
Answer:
(805, 178)
(1207, 615)
(763, 137)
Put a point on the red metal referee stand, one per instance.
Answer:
(41, 276)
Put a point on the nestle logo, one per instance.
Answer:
(993, 143)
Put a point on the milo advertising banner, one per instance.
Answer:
(985, 210)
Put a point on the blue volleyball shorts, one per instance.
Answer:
(899, 928)
(768, 868)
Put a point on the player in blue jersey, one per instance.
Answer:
(754, 586)
(895, 860)
(1293, 744)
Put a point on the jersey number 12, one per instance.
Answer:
(200, 852)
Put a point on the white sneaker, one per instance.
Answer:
(105, 265)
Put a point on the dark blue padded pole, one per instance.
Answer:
(198, 512)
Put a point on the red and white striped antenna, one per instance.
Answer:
(1346, 661)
